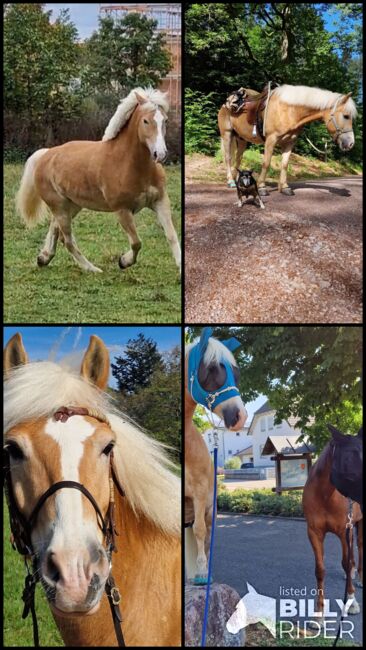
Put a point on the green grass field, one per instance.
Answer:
(148, 292)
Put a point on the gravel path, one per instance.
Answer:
(297, 261)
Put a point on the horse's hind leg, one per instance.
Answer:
(49, 247)
(316, 538)
(200, 532)
(241, 145)
(359, 525)
(164, 213)
(64, 222)
(227, 139)
(127, 222)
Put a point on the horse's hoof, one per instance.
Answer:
(287, 191)
(121, 264)
(42, 260)
(231, 184)
(262, 191)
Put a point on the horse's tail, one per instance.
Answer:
(28, 202)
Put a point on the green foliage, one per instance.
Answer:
(233, 463)
(200, 122)
(125, 53)
(156, 405)
(135, 368)
(305, 371)
(200, 419)
(148, 292)
(261, 502)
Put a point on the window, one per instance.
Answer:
(263, 424)
(270, 422)
(229, 452)
(261, 447)
(238, 433)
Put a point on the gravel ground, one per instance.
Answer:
(298, 261)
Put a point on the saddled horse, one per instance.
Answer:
(211, 378)
(120, 173)
(82, 482)
(335, 477)
(289, 109)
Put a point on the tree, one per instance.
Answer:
(126, 53)
(305, 371)
(40, 61)
(134, 370)
(156, 406)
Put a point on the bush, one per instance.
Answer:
(233, 463)
(261, 502)
(200, 122)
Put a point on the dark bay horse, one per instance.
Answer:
(289, 109)
(120, 173)
(326, 509)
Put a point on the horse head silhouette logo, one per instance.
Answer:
(253, 608)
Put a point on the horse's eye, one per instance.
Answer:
(15, 451)
(346, 117)
(146, 121)
(107, 450)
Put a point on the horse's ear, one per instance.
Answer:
(95, 364)
(345, 98)
(335, 432)
(14, 353)
(140, 98)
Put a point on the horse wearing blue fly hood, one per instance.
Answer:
(229, 389)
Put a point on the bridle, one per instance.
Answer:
(21, 529)
(338, 130)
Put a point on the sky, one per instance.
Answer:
(47, 342)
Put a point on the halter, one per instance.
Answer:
(332, 119)
(210, 399)
(21, 528)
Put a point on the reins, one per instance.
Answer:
(21, 529)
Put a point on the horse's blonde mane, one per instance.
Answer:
(215, 352)
(313, 97)
(155, 99)
(37, 390)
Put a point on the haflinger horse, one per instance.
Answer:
(211, 378)
(78, 473)
(335, 478)
(289, 109)
(120, 173)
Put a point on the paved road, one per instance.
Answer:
(271, 552)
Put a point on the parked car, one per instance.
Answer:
(247, 466)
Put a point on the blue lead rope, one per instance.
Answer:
(205, 617)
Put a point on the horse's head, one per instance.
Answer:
(213, 377)
(338, 120)
(152, 127)
(347, 466)
(64, 532)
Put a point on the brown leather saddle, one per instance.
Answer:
(250, 102)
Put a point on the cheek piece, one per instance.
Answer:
(206, 398)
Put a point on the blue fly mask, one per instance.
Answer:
(211, 399)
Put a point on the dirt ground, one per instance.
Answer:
(298, 261)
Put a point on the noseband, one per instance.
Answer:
(21, 529)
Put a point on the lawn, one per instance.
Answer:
(148, 292)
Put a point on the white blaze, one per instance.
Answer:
(70, 437)
(159, 145)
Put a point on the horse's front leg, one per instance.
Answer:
(49, 247)
(226, 142)
(316, 538)
(354, 607)
(359, 525)
(164, 214)
(268, 151)
(127, 221)
(200, 533)
(286, 153)
(63, 219)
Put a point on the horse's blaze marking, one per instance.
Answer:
(70, 436)
(160, 142)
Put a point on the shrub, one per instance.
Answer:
(233, 463)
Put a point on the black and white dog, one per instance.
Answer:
(247, 186)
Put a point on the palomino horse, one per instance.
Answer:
(289, 109)
(325, 508)
(211, 380)
(119, 174)
(68, 447)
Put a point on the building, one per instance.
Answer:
(231, 443)
(169, 19)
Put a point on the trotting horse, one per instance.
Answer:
(119, 174)
(73, 459)
(326, 508)
(211, 379)
(289, 109)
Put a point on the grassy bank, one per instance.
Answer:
(148, 292)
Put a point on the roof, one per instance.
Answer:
(266, 407)
(286, 445)
(247, 450)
